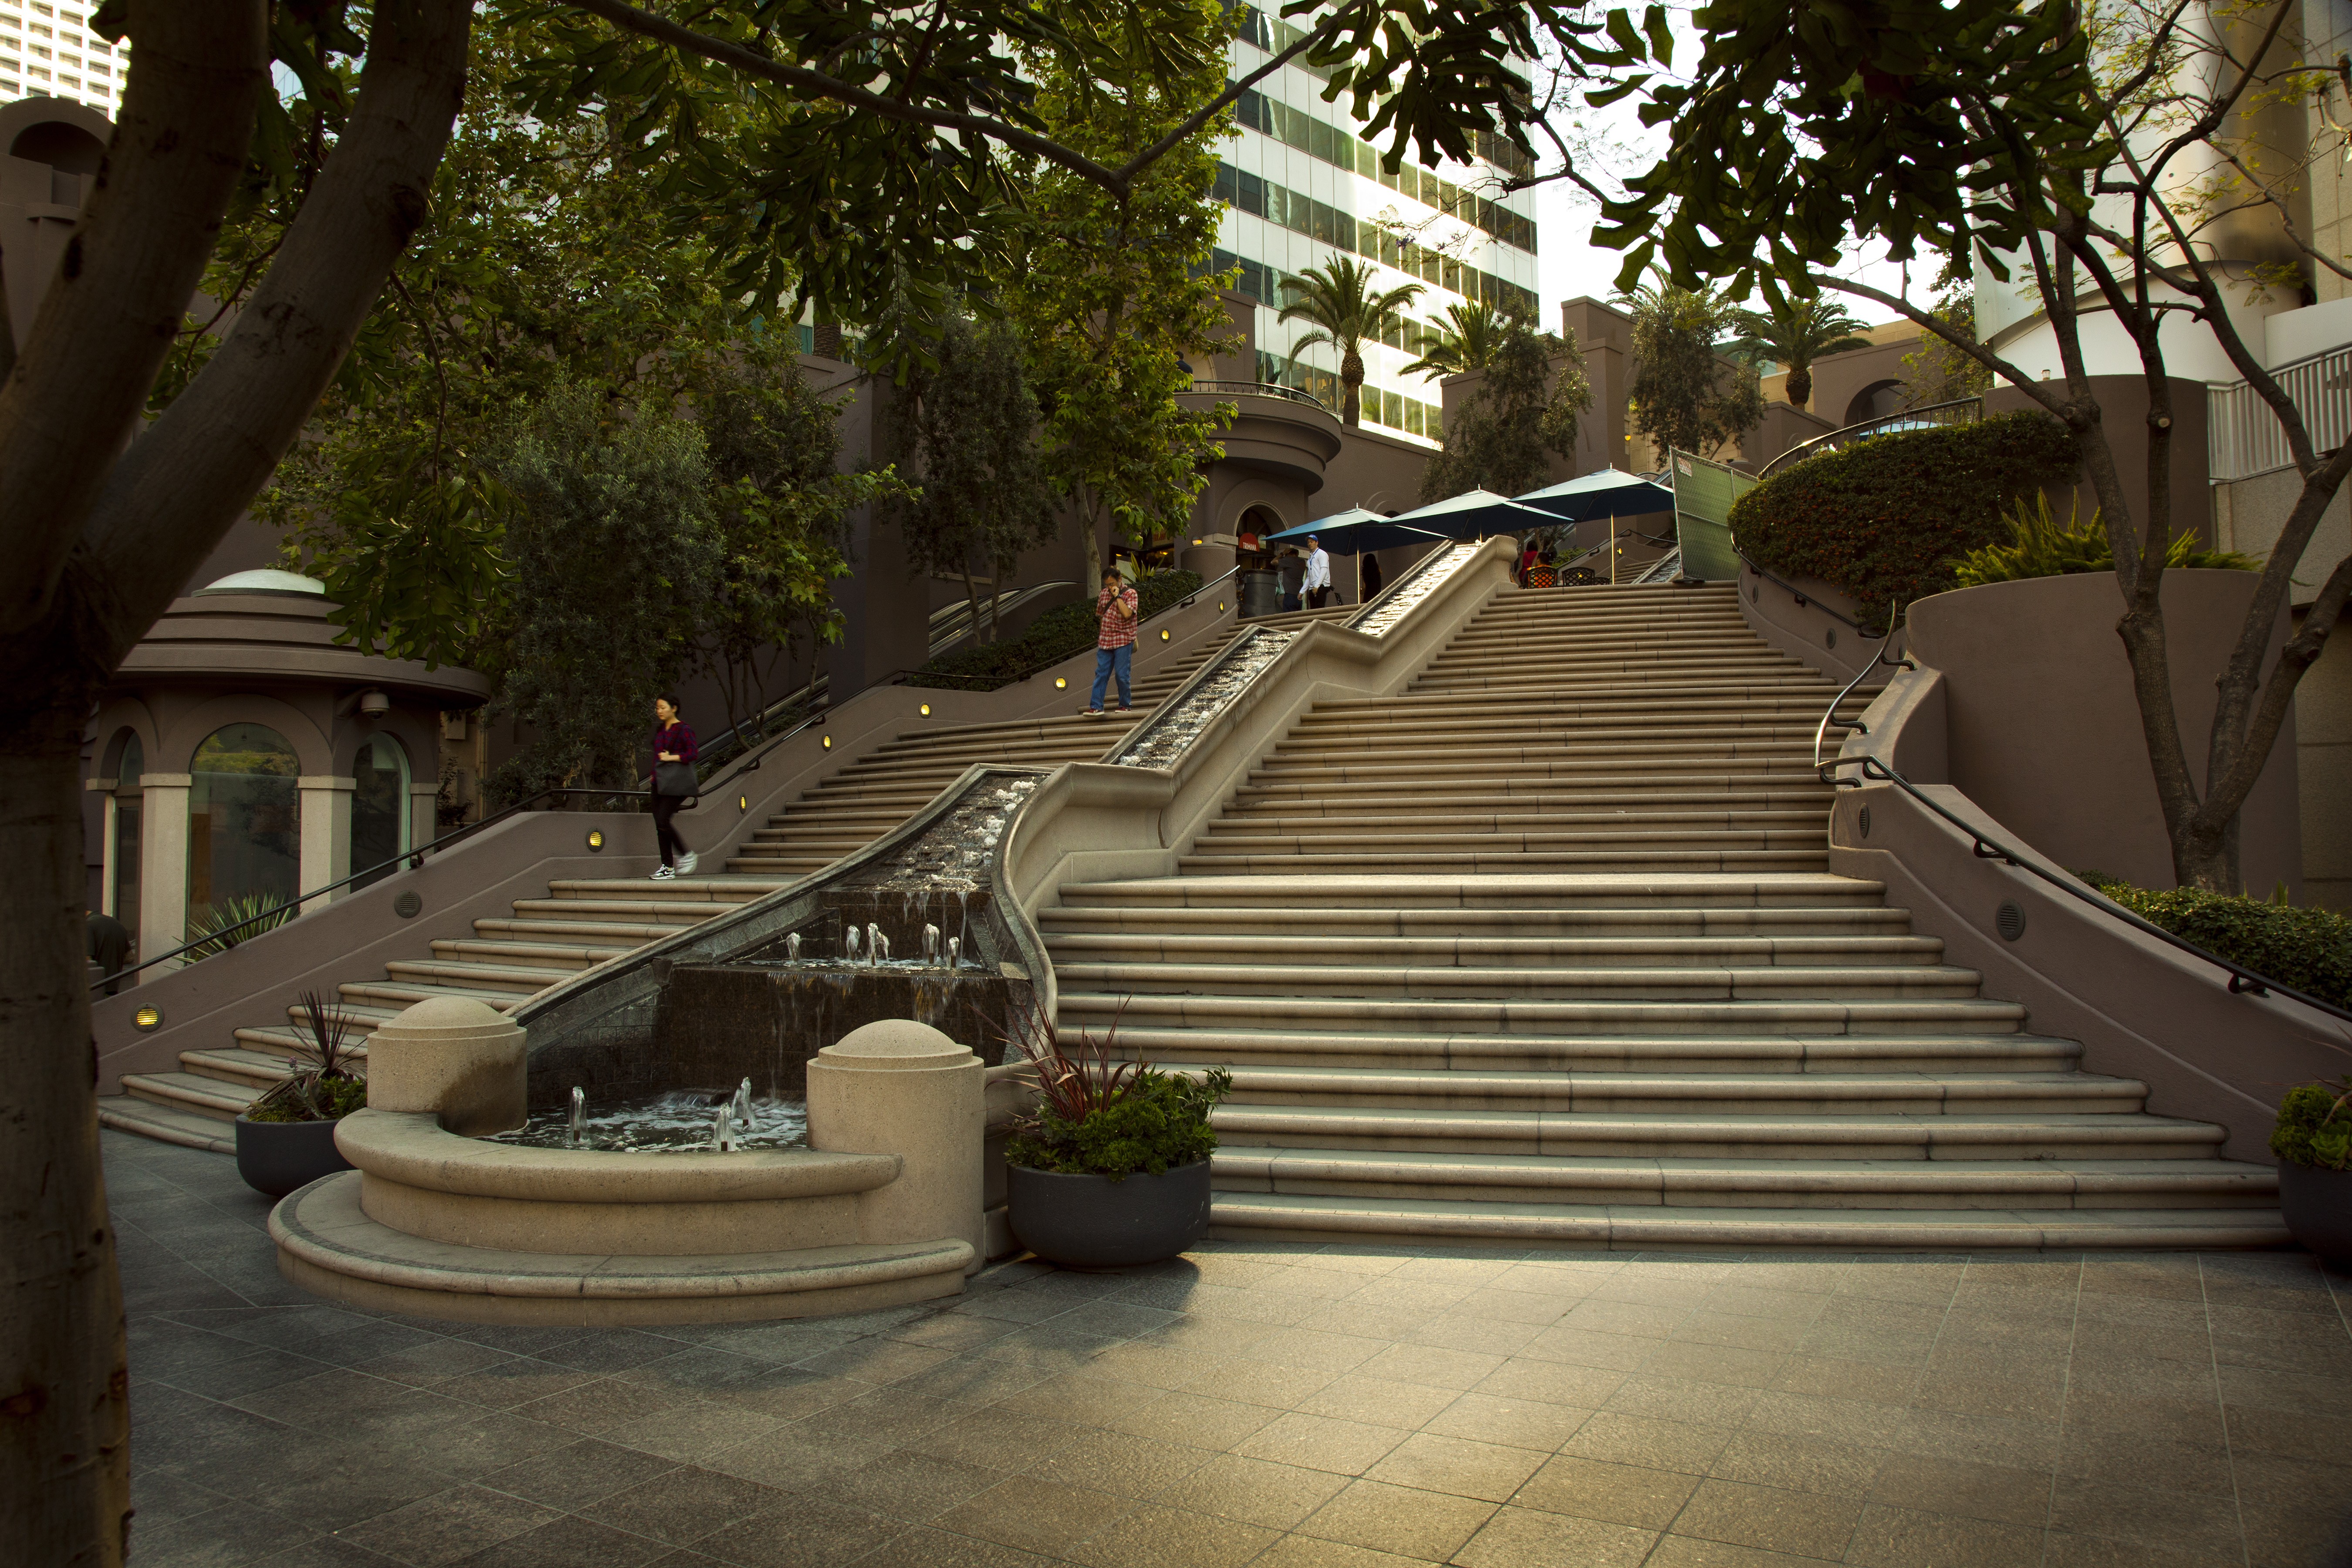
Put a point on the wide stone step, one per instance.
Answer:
(166, 1123)
(1531, 982)
(1591, 890)
(1638, 1228)
(1279, 946)
(248, 1065)
(1495, 930)
(1707, 745)
(1796, 1053)
(538, 955)
(188, 1093)
(1273, 826)
(390, 996)
(1512, 1179)
(1714, 1135)
(706, 889)
(620, 935)
(1975, 1015)
(671, 914)
(1475, 860)
(1759, 752)
(1450, 1088)
(1751, 791)
(479, 977)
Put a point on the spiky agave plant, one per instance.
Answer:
(329, 1080)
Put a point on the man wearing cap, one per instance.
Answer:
(1115, 647)
(1317, 584)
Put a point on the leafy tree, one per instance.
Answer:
(614, 545)
(1477, 330)
(1792, 331)
(1525, 408)
(2110, 155)
(969, 434)
(1685, 395)
(781, 514)
(819, 177)
(1104, 293)
(1338, 299)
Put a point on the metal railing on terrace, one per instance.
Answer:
(1959, 411)
(2243, 436)
(1260, 389)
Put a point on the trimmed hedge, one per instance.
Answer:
(1051, 636)
(1885, 518)
(2309, 949)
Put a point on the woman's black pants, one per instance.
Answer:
(672, 845)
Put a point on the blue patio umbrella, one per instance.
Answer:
(1608, 493)
(1474, 515)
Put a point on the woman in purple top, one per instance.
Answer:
(673, 743)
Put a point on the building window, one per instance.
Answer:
(128, 802)
(379, 807)
(245, 819)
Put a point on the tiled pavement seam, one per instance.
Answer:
(1339, 1407)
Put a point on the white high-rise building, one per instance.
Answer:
(47, 52)
(1301, 186)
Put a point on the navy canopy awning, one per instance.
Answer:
(1474, 515)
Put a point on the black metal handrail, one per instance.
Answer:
(998, 682)
(1263, 389)
(1798, 594)
(2242, 980)
(415, 858)
(1829, 721)
(1903, 419)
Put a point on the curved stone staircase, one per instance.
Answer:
(1545, 951)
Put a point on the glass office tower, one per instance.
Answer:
(1300, 186)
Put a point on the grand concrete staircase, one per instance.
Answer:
(855, 806)
(505, 963)
(1545, 951)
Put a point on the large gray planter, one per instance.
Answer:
(1092, 1222)
(278, 1157)
(2317, 1207)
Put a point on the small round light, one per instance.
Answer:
(147, 1019)
(1061, 684)
(1196, 541)
(828, 742)
(1163, 636)
(1221, 604)
(742, 803)
(595, 838)
(927, 710)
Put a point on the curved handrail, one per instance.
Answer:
(1829, 721)
(1798, 594)
(2242, 980)
(998, 682)
(1907, 418)
(1262, 389)
(415, 858)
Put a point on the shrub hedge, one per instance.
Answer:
(1884, 518)
(1050, 638)
(2309, 949)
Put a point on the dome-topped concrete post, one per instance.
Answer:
(898, 1087)
(453, 1056)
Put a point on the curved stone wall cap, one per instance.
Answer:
(447, 1016)
(263, 580)
(890, 1043)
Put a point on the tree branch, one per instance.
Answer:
(114, 306)
(816, 84)
(170, 496)
(1198, 118)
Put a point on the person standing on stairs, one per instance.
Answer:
(1118, 609)
(1317, 582)
(1294, 572)
(674, 784)
(1367, 579)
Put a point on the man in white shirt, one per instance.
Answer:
(1316, 584)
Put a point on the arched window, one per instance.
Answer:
(379, 806)
(245, 819)
(1258, 522)
(128, 802)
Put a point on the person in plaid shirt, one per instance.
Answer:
(1115, 647)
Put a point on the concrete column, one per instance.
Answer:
(163, 868)
(901, 1088)
(326, 831)
(424, 800)
(105, 845)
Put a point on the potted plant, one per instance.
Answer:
(2313, 1143)
(1110, 1168)
(286, 1138)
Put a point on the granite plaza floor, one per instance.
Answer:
(1346, 1407)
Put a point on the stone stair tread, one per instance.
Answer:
(1671, 1174)
(166, 1124)
(204, 1096)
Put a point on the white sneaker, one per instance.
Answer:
(664, 875)
(686, 866)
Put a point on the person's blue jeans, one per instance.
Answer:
(1107, 660)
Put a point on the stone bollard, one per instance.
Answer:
(898, 1087)
(461, 1058)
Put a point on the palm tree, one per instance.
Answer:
(1795, 332)
(1340, 302)
(1477, 332)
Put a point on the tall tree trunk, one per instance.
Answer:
(65, 1413)
(1090, 525)
(1800, 385)
(1352, 387)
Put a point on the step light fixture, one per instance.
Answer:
(595, 840)
(147, 1020)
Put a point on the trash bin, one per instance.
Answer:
(1261, 593)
